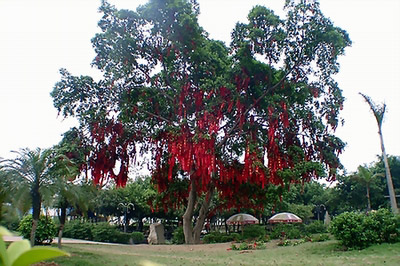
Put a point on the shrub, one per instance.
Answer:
(10, 222)
(388, 225)
(218, 237)
(358, 230)
(177, 236)
(45, 231)
(137, 237)
(320, 238)
(78, 230)
(348, 228)
(290, 231)
(252, 232)
(104, 232)
(316, 227)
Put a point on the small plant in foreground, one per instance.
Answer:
(20, 253)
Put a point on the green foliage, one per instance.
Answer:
(249, 246)
(137, 237)
(359, 230)
(78, 230)
(288, 231)
(104, 232)
(316, 227)
(301, 210)
(45, 232)
(254, 232)
(218, 237)
(11, 223)
(178, 236)
(320, 238)
(20, 253)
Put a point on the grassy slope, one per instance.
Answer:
(325, 253)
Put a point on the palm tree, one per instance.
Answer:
(379, 112)
(366, 177)
(32, 167)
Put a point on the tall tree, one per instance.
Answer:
(32, 167)
(379, 113)
(236, 120)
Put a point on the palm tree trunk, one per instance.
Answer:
(36, 204)
(368, 199)
(392, 195)
(63, 216)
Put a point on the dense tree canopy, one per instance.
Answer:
(237, 119)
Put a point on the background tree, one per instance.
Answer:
(32, 168)
(366, 177)
(68, 160)
(259, 114)
(379, 113)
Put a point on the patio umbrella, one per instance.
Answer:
(285, 217)
(242, 218)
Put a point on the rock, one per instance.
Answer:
(156, 235)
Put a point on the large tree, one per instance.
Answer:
(237, 120)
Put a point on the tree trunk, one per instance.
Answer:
(392, 195)
(36, 202)
(188, 216)
(202, 215)
(192, 235)
(62, 225)
(368, 199)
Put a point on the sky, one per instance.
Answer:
(38, 37)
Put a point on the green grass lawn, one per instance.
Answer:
(323, 253)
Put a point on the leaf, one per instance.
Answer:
(3, 253)
(16, 249)
(37, 254)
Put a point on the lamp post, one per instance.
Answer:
(125, 207)
(320, 209)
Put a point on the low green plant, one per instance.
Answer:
(218, 237)
(20, 253)
(288, 231)
(78, 230)
(45, 232)
(105, 232)
(316, 227)
(178, 236)
(320, 238)
(137, 237)
(252, 232)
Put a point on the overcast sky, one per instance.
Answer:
(38, 37)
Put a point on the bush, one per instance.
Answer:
(45, 232)
(78, 230)
(137, 237)
(289, 231)
(252, 232)
(320, 238)
(10, 222)
(358, 230)
(218, 237)
(316, 227)
(178, 236)
(105, 232)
